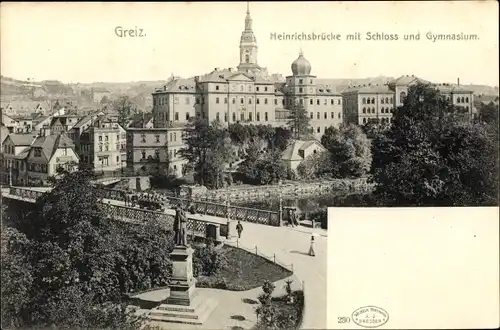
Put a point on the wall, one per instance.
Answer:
(292, 188)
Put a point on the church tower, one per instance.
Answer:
(248, 46)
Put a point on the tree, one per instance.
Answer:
(433, 155)
(67, 266)
(281, 138)
(208, 148)
(349, 147)
(315, 166)
(105, 100)
(298, 122)
(124, 106)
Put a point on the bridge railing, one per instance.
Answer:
(131, 214)
(235, 212)
(25, 193)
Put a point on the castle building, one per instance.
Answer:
(249, 94)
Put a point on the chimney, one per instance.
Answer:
(458, 81)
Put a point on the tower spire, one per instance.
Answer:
(248, 7)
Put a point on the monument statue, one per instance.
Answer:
(180, 227)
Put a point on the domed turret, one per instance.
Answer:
(301, 66)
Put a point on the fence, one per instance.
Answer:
(222, 210)
(272, 258)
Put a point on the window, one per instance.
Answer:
(242, 88)
(364, 120)
(175, 136)
(338, 101)
(301, 101)
(225, 100)
(332, 114)
(197, 100)
(225, 117)
(392, 110)
(258, 116)
(467, 100)
(157, 154)
(317, 101)
(364, 110)
(216, 87)
(265, 89)
(340, 115)
(318, 129)
(106, 147)
(311, 101)
(265, 101)
(387, 100)
(249, 88)
(364, 100)
(171, 139)
(242, 116)
(283, 101)
(265, 116)
(326, 115)
(234, 100)
(312, 115)
(187, 100)
(402, 97)
(234, 117)
(325, 102)
(317, 115)
(311, 81)
(382, 100)
(368, 101)
(176, 118)
(217, 116)
(242, 101)
(157, 136)
(217, 100)
(300, 81)
(187, 115)
(143, 138)
(275, 101)
(257, 101)
(117, 159)
(249, 100)
(373, 100)
(143, 153)
(332, 102)
(463, 99)
(100, 138)
(257, 88)
(300, 89)
(250, 116)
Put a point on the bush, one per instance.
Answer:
(320, 216)
(209, 260)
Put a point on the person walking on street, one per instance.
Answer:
(239, 228)
(311, 249)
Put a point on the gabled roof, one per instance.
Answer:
(451, 88)
(83, 121)
(181, 85)
(22, 139)
(292, 151)
(23, 154)
(51, 143)
(240, 76)
(406, 80)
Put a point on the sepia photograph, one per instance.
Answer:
(171, 165)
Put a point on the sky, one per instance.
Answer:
(76, 42)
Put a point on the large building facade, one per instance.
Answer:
(376, 103)
(248, 94)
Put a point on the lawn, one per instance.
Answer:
(245, 271)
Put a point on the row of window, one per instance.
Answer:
(386, 100)
(106, 137)
(119, 147)
(382, 110)
(249, 117)
(242, 88)
(462, 100)
(8, 149)
(382, 120)
(325, 115)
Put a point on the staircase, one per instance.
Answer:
(196, 313)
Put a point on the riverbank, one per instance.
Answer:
(288, 189)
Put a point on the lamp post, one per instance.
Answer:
(281, 204)
(10, 175)
(228, 235)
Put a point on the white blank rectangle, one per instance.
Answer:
(428, 268)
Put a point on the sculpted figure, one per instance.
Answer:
(180, 227)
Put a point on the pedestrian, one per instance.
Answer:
(191, 208)
(239, 228)
(311, 249)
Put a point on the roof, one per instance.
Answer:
(292, 151)
(452, 88)
(369, 89)
(140, 120)
(23, 154)
(406, 80)
(22, 139)
(83, 121)
(51, 143)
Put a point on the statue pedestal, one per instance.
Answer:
(183, 305)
